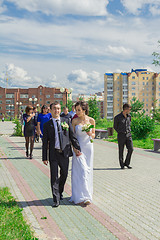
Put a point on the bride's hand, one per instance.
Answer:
(77, 152)
(89, 133)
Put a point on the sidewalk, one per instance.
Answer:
(125, 202)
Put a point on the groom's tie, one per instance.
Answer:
(59, 133)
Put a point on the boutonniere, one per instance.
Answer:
(65, 126)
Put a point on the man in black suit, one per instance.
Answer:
(58, 133)
(122, 124)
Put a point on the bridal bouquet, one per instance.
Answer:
(65, 126)
(86, 128)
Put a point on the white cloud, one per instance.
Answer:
(83, 82)
(136, 6)
(120, 50)
(58, 7)
(18, 77)
(3, 8)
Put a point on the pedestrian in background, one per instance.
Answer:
(65, 113)
(122, 124)
(43, 117)
(29, 129)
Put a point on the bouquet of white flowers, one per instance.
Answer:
(65, 126)
(86, 128)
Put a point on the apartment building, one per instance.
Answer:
(13, 100)
(120, 88)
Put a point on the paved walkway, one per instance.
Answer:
(126, 203)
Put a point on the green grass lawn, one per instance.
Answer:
(12, 224)
(139, 143)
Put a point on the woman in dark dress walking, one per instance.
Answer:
(29, 129)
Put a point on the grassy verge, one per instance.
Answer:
(12, 223)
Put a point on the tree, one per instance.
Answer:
(156, 60)
(93, 108)
(137, 106)
(69, 105)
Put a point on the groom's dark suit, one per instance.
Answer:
(56, 157)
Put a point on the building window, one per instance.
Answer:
(8, 101)
(159, 83)
(48, 96)
(33, 96)
(117, 88)
(10, 95)
(143, 99)
(0, 107)
(152, 83)
(147, 83)
(118, 99)
(0, 101)
(48, 102)
(147, 78)
(117, 93)
(118, 82)
(152, 94)
(143, 83)
(118, 77)
(133, 83)
(133, 88)
(23, 95)
(0, 96)
(40, 99)
(133, 77)
(147, 110)
(147, 94)
(147, 89)
(147, 99)
(152, 88)
(133, 94)
(143, 78)
(147, 105)
(59, 95)
(118, 104)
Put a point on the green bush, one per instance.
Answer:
(104, 123)
(142, 126)
(17, 128)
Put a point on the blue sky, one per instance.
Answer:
(73, 43)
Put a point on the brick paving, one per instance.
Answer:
(125, 202)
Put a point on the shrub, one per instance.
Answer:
(17, 128)
(104, 123)
(142, 126)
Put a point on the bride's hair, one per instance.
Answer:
(83, 105)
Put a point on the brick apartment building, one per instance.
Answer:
(13, 100)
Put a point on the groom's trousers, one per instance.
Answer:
(57, 183)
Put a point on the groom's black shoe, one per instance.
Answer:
(61, 196)
(55, 204)
(129, 167)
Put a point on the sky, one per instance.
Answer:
(70, 43)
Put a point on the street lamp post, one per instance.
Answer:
(18, 104)
(62, 90)
(33, 100)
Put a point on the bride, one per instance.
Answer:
(82, 166)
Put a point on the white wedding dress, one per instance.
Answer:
(82, 169)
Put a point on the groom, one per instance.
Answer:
(58, 133)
